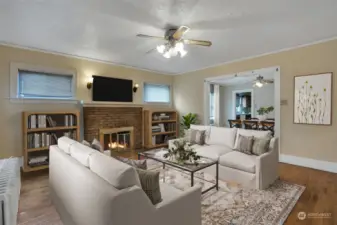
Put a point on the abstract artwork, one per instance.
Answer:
(312, 99)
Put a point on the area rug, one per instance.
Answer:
(234, 205)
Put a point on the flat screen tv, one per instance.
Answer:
(107, 89)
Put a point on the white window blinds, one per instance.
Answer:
(45, 85)
(157, 93)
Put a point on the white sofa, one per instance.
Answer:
(88, 187)
(248, 170)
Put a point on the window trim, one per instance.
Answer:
(14, 80)
(157, 103)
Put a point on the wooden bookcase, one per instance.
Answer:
(38, 135)
(167, 120)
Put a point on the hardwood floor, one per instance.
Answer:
(320, 196)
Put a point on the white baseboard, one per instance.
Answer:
(311, 163)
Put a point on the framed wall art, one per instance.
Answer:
(313, 99)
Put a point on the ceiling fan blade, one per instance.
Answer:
(149, 36)
(197, 42)
(180, 32)
(268, 81)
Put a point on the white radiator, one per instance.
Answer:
(10, 184)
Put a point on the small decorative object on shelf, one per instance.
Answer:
(182, 153)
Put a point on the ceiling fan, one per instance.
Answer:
(260, 81)
(175, 42)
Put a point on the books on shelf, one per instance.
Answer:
(44, 121)
(43, 140)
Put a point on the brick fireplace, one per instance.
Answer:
(100, 118)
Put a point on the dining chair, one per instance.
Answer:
(235, 123)
(267, 125)
(251, 125)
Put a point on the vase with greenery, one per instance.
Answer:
(263, 112)
(186, 121)
(182, 153)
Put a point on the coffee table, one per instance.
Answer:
(157, 155)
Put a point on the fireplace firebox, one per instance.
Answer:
(117, 139)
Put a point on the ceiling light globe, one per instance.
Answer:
(161, 48)
(179, 46)
(167, 55)
(182, 53)
(259, 84)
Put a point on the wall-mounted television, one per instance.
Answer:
(107, 89)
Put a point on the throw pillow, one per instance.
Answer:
(196, 136)
(97, 145)
(149, 181)
(260, 145)
(84, 142)
(140, 164)
(245, 144)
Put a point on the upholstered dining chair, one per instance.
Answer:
(267, 125)
(250, 124)
(235, 123)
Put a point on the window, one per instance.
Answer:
(44, 85)
(157, 93)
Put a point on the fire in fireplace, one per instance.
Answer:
(117, 139)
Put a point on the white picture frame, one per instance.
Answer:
(313, 99)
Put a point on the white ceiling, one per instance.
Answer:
(246, 77)
(106, 29)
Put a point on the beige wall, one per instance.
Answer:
(316, 142)
(10, 113)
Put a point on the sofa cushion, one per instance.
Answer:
(244, 144)
(81, 153)
(260, 145)
(254, 133)
(222, 136)
(196, 136)
(150, 184)
(118, 174)
(213, 151)
(238, 160)
(64, 143)
(202, 127)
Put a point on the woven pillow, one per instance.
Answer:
(244, 144)
(140, 164)
(260, 146)
(97, 145)
(149, 181)
(86, 143)
(196, 136)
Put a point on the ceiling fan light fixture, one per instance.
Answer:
(161, 48)
(179, 46)
(258, 84)
(167, 54)
(182, 53)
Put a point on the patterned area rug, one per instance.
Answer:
(234, 205)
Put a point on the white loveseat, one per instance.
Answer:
(90, 188)
(248, 170)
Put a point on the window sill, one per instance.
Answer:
(42, 101)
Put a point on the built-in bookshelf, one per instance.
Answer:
(159, 127)
(42, 129)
